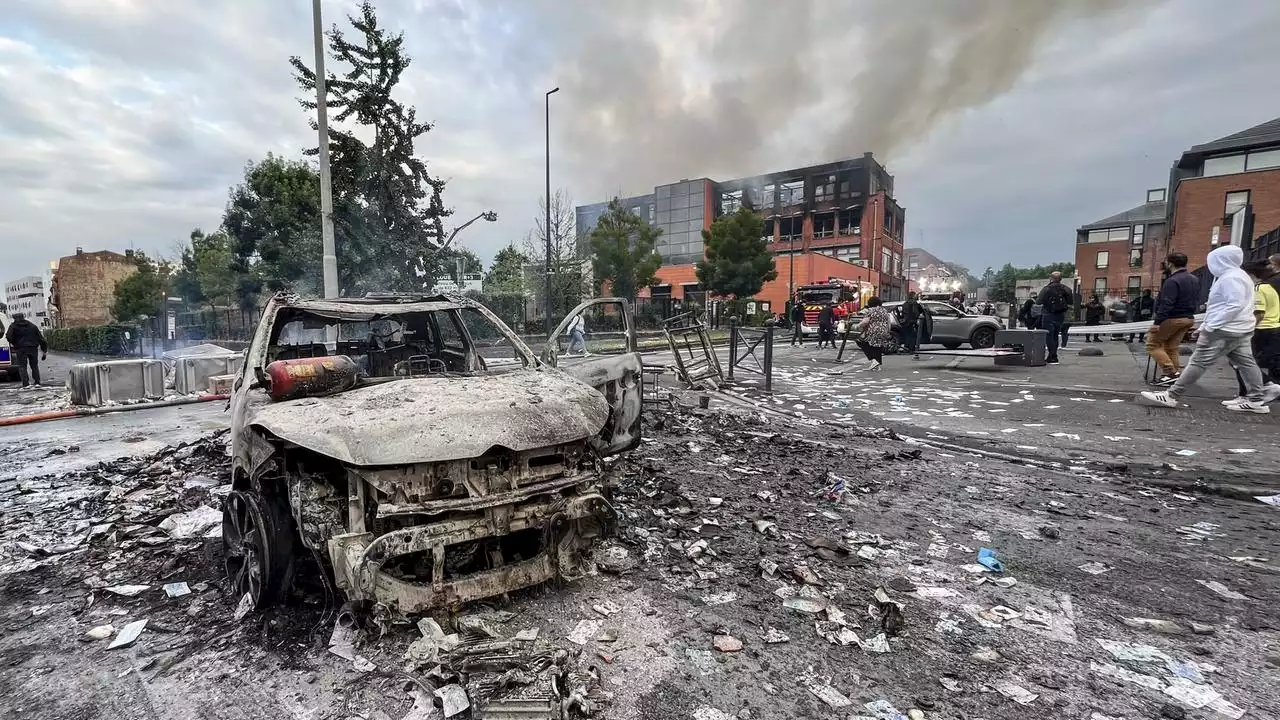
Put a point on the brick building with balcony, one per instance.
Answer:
(837, 220)
(1116, 256)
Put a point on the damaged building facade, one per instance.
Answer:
(835, 221)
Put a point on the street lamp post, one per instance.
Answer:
(330, 257)
(487, 215)
(547, 227)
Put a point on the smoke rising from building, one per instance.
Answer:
(655, 91)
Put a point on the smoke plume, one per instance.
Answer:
(665, 89)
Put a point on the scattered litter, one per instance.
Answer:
(805, 575)
(1187, 453)
(876, 644)
(986, 655)
(805, 605)
(1126, 675)
(1222, 590)
(363, 664)
(608, 608)
(244, 607)
(1269, 499)
(1116, 438)
(527, 635)
(101, 632)
(768, 568)
(709, 713)
(883, 710)
(766, 527)
(935, 592)
(1095, 568)
(454, 699)
(951, 684)
(128, 634)
(204, 521)
(1134, 652)
(1005, 613)
(177, 589)
(1200, 531)
(1241, 451)
(827, 694)
(342, 641)
(726, 643)
(128, 590)
(1016, 693)
(987, 558)
(773, 636)
(584, 631)
(1069, 436)
(720, 598)
(1168, 627)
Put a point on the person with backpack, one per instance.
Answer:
(577, 337)
(1054, 299)
(25, 339)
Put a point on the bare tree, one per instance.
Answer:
(570, 263)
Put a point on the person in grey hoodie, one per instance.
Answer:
(1227, 331)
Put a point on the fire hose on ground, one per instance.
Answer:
(91, 411)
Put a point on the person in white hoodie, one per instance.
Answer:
(1227, 331)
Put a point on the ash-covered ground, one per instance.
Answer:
(764, 567)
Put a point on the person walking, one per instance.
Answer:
(1093, 312)
(1266, 332)
(909, 323)
(797, 319)
(827, 325)
(875, 333)
(578, 336)
(1174, 314)
(25, 339)
(1227, 331)
(1054, 300)
(1142, 309)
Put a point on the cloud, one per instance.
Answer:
(1007, 125)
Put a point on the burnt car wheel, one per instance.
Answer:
(983, 338)
(257, 546)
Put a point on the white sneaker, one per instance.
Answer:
(1157, 399)
(1235, 400)
(875, 367)
(1270, 393)
(1246, 406)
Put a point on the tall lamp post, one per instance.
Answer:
(547, 227)
(330, 257)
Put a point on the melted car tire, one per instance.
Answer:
(257, 546)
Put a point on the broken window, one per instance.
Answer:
(730, 201)
(849, 253)
(768, 230)
(791, 228)
(824, 189)
(763, 197)
(792, 193)
(824, 224)
(849, 222)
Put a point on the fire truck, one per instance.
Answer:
(846, 294)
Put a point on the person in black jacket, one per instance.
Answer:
(1024, 314)
(1094, 310)
(827, 325)
(1173, 316)
(24, 340)
(909, 323)
(1056, 299)
(797, 319)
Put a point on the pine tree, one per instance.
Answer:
(622, 251)
(388, 211)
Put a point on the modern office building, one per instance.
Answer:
(836, 221)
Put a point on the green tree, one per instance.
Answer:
(388, 211)
(1004, 285)
(141, 293)
(622, 251)
(738, 261)
(1068, 269)
(987, 276)
(506, 274)
(272, 222)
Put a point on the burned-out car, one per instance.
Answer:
(417, 449)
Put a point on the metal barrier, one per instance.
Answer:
(696, 361)
(751, 339)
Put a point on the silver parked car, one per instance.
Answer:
(951, 327)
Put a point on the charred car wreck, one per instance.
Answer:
(419, 451)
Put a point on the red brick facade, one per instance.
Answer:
(1200, 204)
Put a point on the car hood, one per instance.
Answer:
(436, 419)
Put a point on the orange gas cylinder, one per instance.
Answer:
(311, 377)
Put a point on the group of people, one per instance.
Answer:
(1241, 323)
(25, 343)
(875, 329)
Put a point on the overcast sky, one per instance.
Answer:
(1006, 123)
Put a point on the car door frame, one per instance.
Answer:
(617, 377)
(945, 327)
